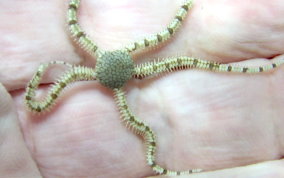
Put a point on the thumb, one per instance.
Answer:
(16, 161)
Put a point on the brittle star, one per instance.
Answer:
(115, 68)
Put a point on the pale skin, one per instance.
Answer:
(202, 119)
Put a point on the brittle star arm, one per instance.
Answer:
(77, 32)
(172, 64)
(85, 42)
(141, 128)
(154, 40)
(75, 73)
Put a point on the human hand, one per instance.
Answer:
(16, 160)
(197, 125)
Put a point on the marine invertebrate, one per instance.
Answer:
(115, 68)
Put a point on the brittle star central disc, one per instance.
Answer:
(114, 69)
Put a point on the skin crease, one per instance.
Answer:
(202, 119)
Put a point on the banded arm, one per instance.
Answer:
(76, 31)
(147, 133)
(172, 64)
(75, 73)
(165, 34)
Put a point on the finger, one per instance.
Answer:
(215, 30)
(32, 39)
(266, 169)
(16, 160)
(228, 32)
(166, 34)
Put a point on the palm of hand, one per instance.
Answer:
(200, 117)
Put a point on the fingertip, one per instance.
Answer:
(5, 101)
